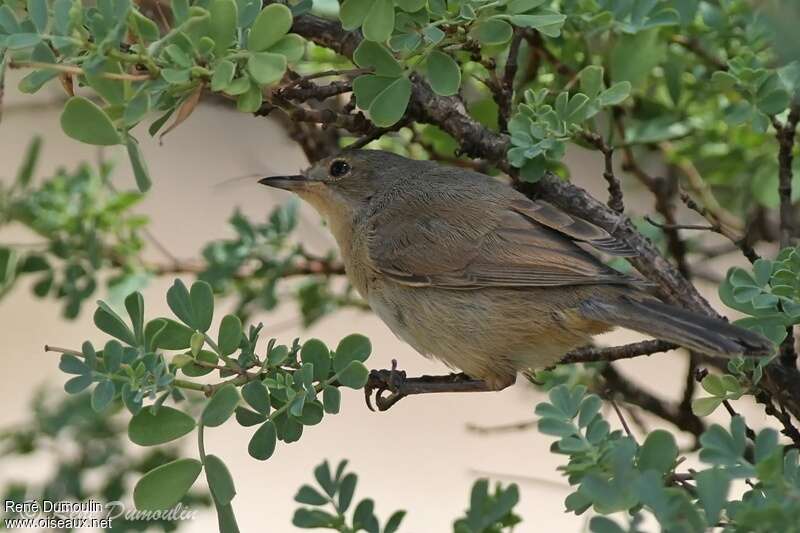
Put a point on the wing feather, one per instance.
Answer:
(524, 244)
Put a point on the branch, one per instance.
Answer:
(507, 86)
(614, 187)
(591, 354)
(785, 133)
(449, 114)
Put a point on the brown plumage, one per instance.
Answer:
(468, 270)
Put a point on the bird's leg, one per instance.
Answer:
(400, 386)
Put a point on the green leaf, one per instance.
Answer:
(113, 91)
(266, 67)
(168, 334)
(77, 384)
(84, 121)
(547, 24)
(292, 46)
(521, 6)
(230, 334)
(165, 425)
(20, 41)
(705, 406)
(309, 496)
(443, 73)
(353, 12)
(390, 105)
(713, 385)
(615, 94)
(314, 518)
(592, 80)
(164, 486)
(245, 417)
(180, 303)
(379, 22)
(354, 347)
(110, 322)
(223, 75)
(712, 488)
(102, 395)
(8, 20)
(219, 480)
(193, 369)
(347, 487)
(312, 413)
(26, 170)
(262, 444)
(366, 87)
(331, 399)
(221, 406)
(250, 100)
(136, 108)
(112, 356)
(373, 55)
(494, 31)
(602, 524)
(393, 524)
(315, 352)
(590, 406)
(658, 452)
(138, 165)
(71, 364)
(635, 56)
(270, 25)
(322, 473)
(37, 9)
(224, 17)
(354, 375)
(202, 305)
(257, 396)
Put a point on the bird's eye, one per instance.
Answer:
(339, 168)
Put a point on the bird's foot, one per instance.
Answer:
(399, 386)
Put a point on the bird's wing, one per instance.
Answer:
(524, 244)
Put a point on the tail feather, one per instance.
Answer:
(690, 330)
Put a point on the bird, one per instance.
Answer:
(468, 270)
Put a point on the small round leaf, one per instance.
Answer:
(165, 425)
(262, 444)
(270, 25)
(221, 406)
(84, 121)
(443, 73)
(164, 486)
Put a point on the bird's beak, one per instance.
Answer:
(287, 183)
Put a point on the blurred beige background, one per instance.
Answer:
(418, 456)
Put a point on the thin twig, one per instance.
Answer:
(593, 355)
(679, 226)
(77, 70)
(614, 187)
(740, 241)
(502, 428)
(621, 418)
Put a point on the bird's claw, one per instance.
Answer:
(381, 381)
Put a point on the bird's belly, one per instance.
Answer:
(487, 333)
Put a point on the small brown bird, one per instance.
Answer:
(466, 269)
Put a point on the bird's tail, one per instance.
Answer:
(666, 322)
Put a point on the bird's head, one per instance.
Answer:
(345, 183)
